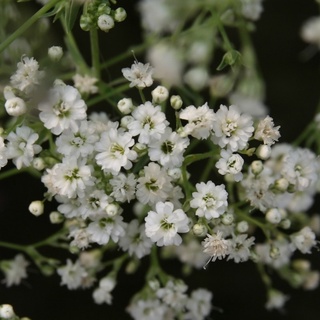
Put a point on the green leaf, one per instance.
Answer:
(230, 58)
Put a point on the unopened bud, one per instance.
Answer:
(125, 121)
(105, 22)
(112, 209)
(242, 226)
(6, 311)
(176, 102)
(227, 218)
(56, 217)
(263, 152)
(38, 164)
(199, 230)
(36, 208)
(256, 167)
(273, 216)
(160, 94)
(15, 107)
(55, 53)
(120, 14)
(125, 105)
(274, 252)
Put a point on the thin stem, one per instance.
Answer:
(28, 24)
(95, 58)
(10, 173)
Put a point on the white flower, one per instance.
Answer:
(216, 246)
(200, 121)
(135, 240)
(147, 309)
(76, 143)
(168, 150)
(159, 94)
(14, 270)
(252, 9)
(231, 129)
(102, 293)
(197, 78)
(36, 208)
(123, 187)
(198, 305)
(209, 200)
(310, 31)
(81, 238)
(3, 153)
(85, 83)
(163, 225)
(304, 240)
(104, 227)
(140, 75)
(105, 22)
(62, 110)
(114, 151)
(239, 247)
(15, 106)
(276, 299)
(55, 53)
(21, 146)
(27, 75)
(149, 122)
(72, 274)
(155, 185)
(230, 163)
(6, 311)
(267, 132)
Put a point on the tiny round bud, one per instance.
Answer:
(112, 209)
(199, 229)
(56, 217)
(176, 102)
(175, 173)
(38, 164)
(125, 105)
(256, 167)
(227, 218)
(160, 94)
(311, 280)
(273, 216)
(86, 22)
(15, 107)
(55, 53)
(285, 224)
(242, 226)
(36, 208)
(263, 152)
(274, 252)
(140, 148)
(301, 265)
(105, 22)
(197, 78)
(120, 14)
(281, 185)
(125, 121)
(6, 311)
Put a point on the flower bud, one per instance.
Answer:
(86, 22)
(55, 53)
(285, 224)
(125, 105)
(199, 229)
(36, 208)
(197, 78)
(176, 102)
(56, 217)
(273, 216)
(274, 252)
(175, 173)
(160, 94)
(15, 107)
(263, 152)
(242, 226)
(38, 164)
(125, 121)
(227, 219)
(301, 265)
(256, 167)
(281, 185)
(112, 209)
(120, 14)
(6, 311)
(105, 22)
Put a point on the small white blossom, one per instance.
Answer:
(86, 84)
(3, 153)
(240, 248)
(198, 305)
(230, 163)
(310, 31)
(102, 293)
(164, 224)
(123, 187)
(14, 270)
(147, 309)
(209, 200)
(304, 240)
(276, 300)
(251, 9)
(140, 75)
(267, 132)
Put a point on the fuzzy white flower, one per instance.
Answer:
(135, 240)
(267, 132)
(123, 187)
(114, 151)
(147, 309)
(140, 75)
(200, 121)
(21, 146)
(27, 76)
(239, 247)
(209, 200)
(164, 224)
(198, 305)
(3, 153)
(14, 270)
(276, 300)
(168, 151)
(310, 31)
(230, 163)
(251, 9)
(231, 129)
(85, 83)
(63, 109)
(102, 293)
(149, 122)
(304, 240)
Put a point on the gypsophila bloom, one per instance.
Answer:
(27, 76)
(200, 121)
(164, 224)
(168, 150)
(21, 147)
(304, 240)
(139, 75)
(147, 309)
(240, 248)
(216, 246)
(276, 299)
(6, 311)
(85, 83)
(72, 274)
(15, 106)
(198, 305)
(209, 200)
(102, 293)
(149, 122)
(3, 153)
(231, 129)
(251, 9)
(267, 132)
(135, 240)
(14, 270)
(114, 151)
(63, 109)
(230, 163)
(123, 187)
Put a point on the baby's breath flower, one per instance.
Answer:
(140, 75)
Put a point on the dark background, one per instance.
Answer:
(292, 85)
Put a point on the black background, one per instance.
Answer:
(292, 85)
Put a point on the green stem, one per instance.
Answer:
(95, 52)
(10, 173)
(13, 246)
(28, 24)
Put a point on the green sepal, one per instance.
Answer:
(230, 58)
